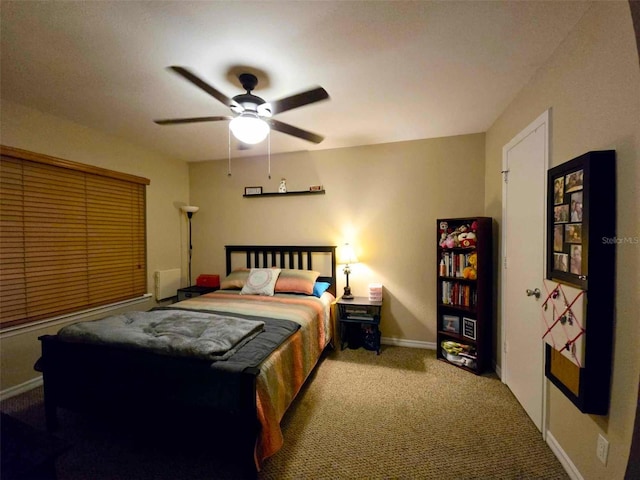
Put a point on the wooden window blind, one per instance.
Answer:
(72, 237)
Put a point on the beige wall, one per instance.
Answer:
(592, 85)
(31, 130)
(384, 199)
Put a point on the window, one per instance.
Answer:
(72, 237)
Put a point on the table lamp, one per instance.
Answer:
(347, 256)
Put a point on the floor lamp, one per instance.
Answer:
(190, 210)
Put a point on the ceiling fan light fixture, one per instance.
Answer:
(249, 128)
(252, 121)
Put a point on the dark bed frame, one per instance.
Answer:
(292, 257)
(108, 381)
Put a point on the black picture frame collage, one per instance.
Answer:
(568, 211)
(580, 214)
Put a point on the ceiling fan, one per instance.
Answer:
(252, 121)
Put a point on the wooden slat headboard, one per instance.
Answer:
(285, 256)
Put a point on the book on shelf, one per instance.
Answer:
(457, 294)
(455, 263)
(470, 356)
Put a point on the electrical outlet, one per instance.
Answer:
(602, 450)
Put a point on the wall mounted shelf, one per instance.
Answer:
(276, 194)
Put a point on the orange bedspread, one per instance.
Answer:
(283, 373)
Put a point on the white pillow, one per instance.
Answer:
(261, 281)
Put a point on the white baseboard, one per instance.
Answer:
(498, 370)
(398, 342)
(564, 459)
(23, 387)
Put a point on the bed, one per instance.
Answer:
(243, 391)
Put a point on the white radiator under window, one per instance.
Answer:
(167, 283)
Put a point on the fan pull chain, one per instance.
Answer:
(229, 165)
(269, 152)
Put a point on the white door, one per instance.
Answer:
(525, 160)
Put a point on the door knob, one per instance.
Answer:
(535, 292)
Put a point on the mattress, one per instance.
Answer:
(283, 373)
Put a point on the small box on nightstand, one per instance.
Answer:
(208, 280)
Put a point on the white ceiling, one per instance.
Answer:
(395, 70)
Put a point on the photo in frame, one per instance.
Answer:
(451, 323)
(252, 190)
(576, 207)
(573, 233)
(574, 181)
(558, 190)
(561, 213)
(558, 238)
(576, 260)
(561, 262)
(469, 329)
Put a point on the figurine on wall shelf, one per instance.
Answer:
(283, 186)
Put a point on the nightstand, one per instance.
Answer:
(194, 291)
(359, 320)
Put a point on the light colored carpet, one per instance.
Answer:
(402, 414)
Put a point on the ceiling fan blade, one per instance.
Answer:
(197, 81)
(295, 131)
(299, 100)
(176, 121)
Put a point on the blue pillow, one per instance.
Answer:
(320, 287)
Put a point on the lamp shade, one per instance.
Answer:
(189, 209)
(347, 255)
(249, 128)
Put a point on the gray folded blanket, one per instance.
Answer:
(181, 333)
